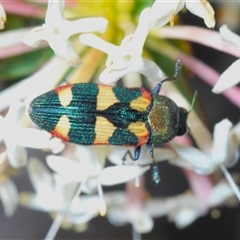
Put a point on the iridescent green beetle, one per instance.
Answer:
(94, 114)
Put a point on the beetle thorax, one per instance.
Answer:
(163, 119)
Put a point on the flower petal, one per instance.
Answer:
(143, 223)
(132, 80)
(109, 75)
(69, 28)
(64, 50)
(116, 155)
(2, 17)
(17, 155)
(146, 67)
(39, 202)
(100, 155)
(40, 177)
(220, 141)
(90, 160)
(1, 128)
(185, 217)
(228, 78)
(35, 36)
(87, 207)
(92, 40)
(54, 14)
(15, 115)
(67, 168)
(229, 36)
(34, 82)
(41, 140)
(220, 193)
(162, 12)
(234, 141)
(167, 205)
(120, 174)
(140, 34)
(200, 162)
(8, 195)
(202, 9)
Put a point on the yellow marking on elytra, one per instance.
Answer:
(106, 97)
(140, 104)
(139, 129)
(65, 96)
(63, 127)
(103, 130)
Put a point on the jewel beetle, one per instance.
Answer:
(95, 114)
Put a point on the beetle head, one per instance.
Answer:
(182, 122)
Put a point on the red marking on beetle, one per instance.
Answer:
(146, 94)
(56, 133)
(62, 88)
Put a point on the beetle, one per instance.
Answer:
(95, 114)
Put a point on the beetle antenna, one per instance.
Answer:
(178, 67)
(193, 101)
(155, 171)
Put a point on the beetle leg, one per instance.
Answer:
(150, 149)
(178, 67)
(155, 173)
(137, 152)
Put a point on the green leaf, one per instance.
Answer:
(140, 5)
(18, 67)
(17, 22)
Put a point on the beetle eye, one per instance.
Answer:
(182, 123)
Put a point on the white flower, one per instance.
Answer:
(122, 211)
(181, 209)
(230, 76)
(89, 168)
(38, 139)
(16, 137)
(128, 56)
(8, 195)
(52, 192)
(160, 154)
(164, 11)
(222, 150)
(184, 209)
(57, 31)
(9, 125)
(89, 171)
(2, 16)
(39, 83)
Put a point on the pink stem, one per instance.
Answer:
(184, 140)
(26, 9)
(23, 8)
(17, 50)
(201, 185)
(135, 194)
(210, 76)
(203, 36)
